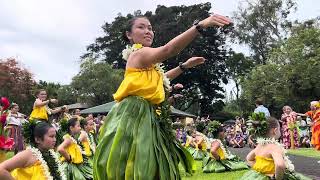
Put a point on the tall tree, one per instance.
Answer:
(291, 77)
(169, 22)
(16, 83)
(238, 66)
(262, 24)
(96, 82)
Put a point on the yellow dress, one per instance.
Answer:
(39, 113)
(132, 145)
(74, 151)
(86, 147)
(33, 172)
(264, 165)
(146, 83)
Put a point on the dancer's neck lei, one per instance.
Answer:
(50, 164)
(159, 66)
(288, 163)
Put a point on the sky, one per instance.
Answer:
(48, 37)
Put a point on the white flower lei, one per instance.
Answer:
(36, 152)
(288, 163)
(60, 167)
(92, 144)
(166, 81)
(159, 66)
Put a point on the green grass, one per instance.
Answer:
(307, 152)
(199, 175)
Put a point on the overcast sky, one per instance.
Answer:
(48, 37)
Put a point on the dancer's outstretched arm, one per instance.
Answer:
(148, 56)
(190, 63)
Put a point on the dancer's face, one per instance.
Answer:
(42, 95)
(15, 109)
(76, 128)
(48, 141)
(141, 32)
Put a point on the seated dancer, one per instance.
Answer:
(197, 145)
(220, 159)
(39, 161)
(87, 141)
(268, 159)
(136, 141)
(72, 160)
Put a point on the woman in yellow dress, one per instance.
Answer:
(40, 107)
(38, 161)
(87, 142)
(268, 159)
(136, 140)
(71, 152)
(220, 159)
(197, 145)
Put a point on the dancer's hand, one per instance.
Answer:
(215, 20)
(194, 61)
(178, 86)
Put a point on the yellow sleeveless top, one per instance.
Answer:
(74, 151)
(264, 165)
(221, 153)
(86, 147)
(146, 83)
(33, 172)
(39, 113)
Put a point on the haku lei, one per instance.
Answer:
(37, 153)
(288, 163)
(159, 66)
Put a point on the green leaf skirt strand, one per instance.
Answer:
(136, 144)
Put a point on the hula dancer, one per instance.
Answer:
(39, 161)
(71, 152)
(220, 159)
(268, 159)
(137, 141)
(14, 127)
(87, 141)
(40, 107)
(197, 145)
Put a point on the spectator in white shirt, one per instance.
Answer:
(261, 108)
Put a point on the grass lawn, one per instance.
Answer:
(307, 152)
(199, 175)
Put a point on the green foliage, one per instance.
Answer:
(16, 84)
(290, 77)
(262, 24)
(238, 66)
(202, 84)
(96, 82)
(259, 122)
(213, 127)
(28, 129)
